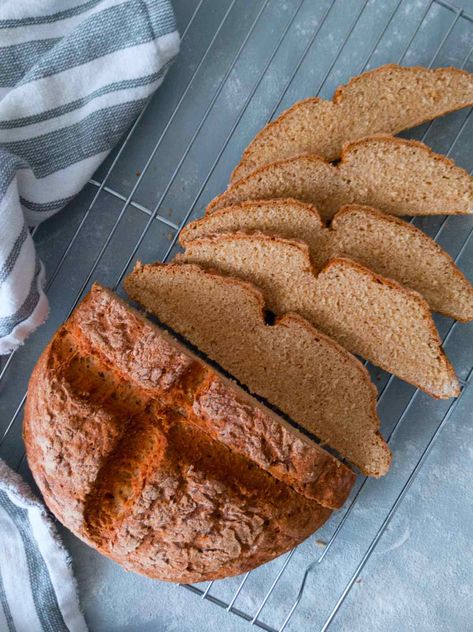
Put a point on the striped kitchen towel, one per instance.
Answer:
(74, 74)
(37, 590)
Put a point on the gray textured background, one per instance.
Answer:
(420, 574)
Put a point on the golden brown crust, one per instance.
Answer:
(340, 96)
(128, 440)
(311, 472)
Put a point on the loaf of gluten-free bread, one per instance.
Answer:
(384, 100)
(397, 176)
(292, 365)
(161, 463)
(387, 245)
(369, 315)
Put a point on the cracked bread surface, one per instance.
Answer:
(159, 462)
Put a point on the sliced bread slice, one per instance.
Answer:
(369, 315)
(385, 244)
(393, 248)
(400, 177)
(388, 99)
(304, 373)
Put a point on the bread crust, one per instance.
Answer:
(224, 199)
(341, 94)
(141, 449)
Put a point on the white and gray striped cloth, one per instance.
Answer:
(37, 590)
(74, 74)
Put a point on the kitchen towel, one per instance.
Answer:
(38, 592)
(73, 76)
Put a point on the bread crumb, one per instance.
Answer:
(321, 543)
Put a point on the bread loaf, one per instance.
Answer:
(399, 177)
(385, 244)
(367, 314)
(385, 100)
(305, 374)
(159, 462)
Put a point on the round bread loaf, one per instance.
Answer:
(139, 448)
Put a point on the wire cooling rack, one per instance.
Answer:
(241, 64)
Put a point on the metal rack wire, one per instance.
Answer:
(154, 216)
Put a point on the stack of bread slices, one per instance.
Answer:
(300, 266)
